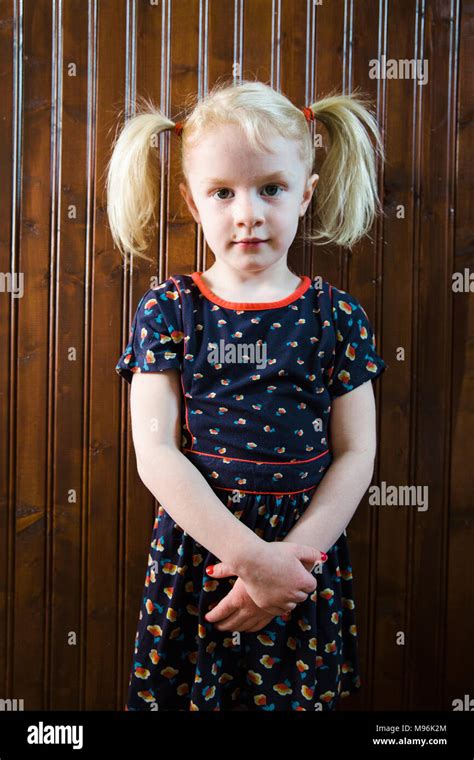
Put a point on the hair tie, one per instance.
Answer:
(178, 128)
(309, 113)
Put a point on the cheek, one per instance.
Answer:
(285, 216)
(287, 224)
(211, 223)
(215, 218)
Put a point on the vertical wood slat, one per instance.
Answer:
(389, 592)
(432, 419)
(459, 629)
(106, 543)
(78, 566)
(33, 367)
(336, 70)
(70, 414)
(364, 274)
(10, 168)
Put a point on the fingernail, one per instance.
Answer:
(324, 556)
(210, 569)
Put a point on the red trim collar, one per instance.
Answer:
(242, 306)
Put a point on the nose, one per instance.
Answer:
(248, 210)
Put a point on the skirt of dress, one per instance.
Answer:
(182, 662)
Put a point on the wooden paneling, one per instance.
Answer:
(76, 520)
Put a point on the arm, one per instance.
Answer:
(353, 442)
(173, 480)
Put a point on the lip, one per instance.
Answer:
(250, 243)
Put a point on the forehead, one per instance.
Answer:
(225, 153)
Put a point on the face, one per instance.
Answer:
(236, 192)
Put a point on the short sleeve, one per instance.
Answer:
(355, 358)
(155, 339)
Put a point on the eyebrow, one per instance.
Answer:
(275, 175)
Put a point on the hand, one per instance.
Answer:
(276, 577)
(237, 611)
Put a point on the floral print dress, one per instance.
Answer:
(257, 381)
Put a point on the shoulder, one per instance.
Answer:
(161, 288)
(161, 300)
(320, 287)
(170, 291)
(345, 304)
(174, 287)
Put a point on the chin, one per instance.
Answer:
(251, 263)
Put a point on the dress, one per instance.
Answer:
(257, 382)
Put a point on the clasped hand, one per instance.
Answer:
(273, 585)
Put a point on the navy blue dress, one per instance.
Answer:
(257, 385)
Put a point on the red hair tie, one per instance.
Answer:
(309, 113)
(178, 128)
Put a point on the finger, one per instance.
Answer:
(232, 622)
(302, 595)
(306, 590)
(310, 566)
(222, 610)
(261, 623)
(275, 611)
(220, 570)
(248, 622)
(309, 586)
(310, 554)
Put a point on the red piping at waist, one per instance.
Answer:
(270, 493)
(256, 461)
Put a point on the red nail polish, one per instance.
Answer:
(210, 569)
(324, 556)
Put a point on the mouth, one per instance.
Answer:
(250, 243)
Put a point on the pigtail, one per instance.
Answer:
(132, 181)
(346, 195)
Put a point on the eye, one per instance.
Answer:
(278, 187)
(226, 189)
(220, 191)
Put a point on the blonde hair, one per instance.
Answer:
(345, 201)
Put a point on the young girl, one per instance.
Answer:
(259, 441)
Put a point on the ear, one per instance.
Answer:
(189, 201)
(308, 193)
